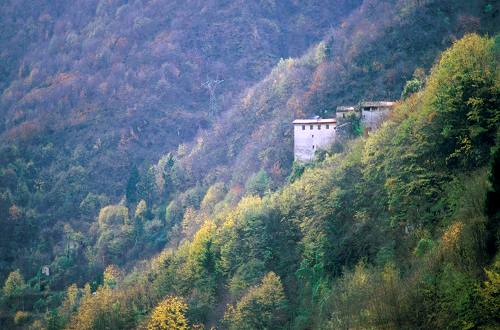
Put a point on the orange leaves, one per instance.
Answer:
(14, 212)
(65, 78)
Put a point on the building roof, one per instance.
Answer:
(315, 121)
(343, 108)
(377, 104)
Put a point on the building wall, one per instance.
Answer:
(307, 141)
(374, 118)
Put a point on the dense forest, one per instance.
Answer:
(127, 200)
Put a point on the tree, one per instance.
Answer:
(411, 86)
(112, 276)
(490, 296)
(163, 175)
(21, 318)
(59, 318)
(462, 98)
(105, 308)
(257, 184)
(14, 288)
(263, 307)
(493, 204)
(214, 194)
(169, 315)
(131, 190)
(92, 203)
(141, 210)
(146, 187)
(115, 234)
(202, 272)
(113, 215)
(415, 84)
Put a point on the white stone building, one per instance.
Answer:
(311, 135)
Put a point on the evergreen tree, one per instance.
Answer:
(131, 190)
(493, 205)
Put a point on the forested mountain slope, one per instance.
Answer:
(236, 220)
(102, 80)
(91, 89)
(400, 230)
(369, 57)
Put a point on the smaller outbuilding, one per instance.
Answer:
(46, 270)
(374, 113)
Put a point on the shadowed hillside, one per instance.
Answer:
(128, 76)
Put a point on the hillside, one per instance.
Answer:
(400, 230)
(75, 69)
(110, 156)
(370, 56)
(92, 89)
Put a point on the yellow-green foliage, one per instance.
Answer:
(460, 100)
(369, 298)
(21, 317)
(112, 276)
(113, 215)
(213, 195)
(103, 309)
(169, 315)
(262, 307)
(141, 209)
(115, 234)
(490, 294)
(14, 284)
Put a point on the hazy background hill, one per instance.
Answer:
(131, 73)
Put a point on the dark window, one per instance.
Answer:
(311, 127)
(303, 127)
(313, 146)
(319, 126)
(327, 126)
